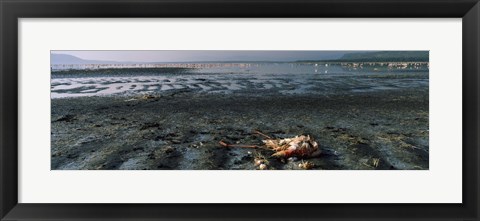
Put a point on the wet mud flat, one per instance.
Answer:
(181, 130)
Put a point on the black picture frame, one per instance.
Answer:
(12, 10)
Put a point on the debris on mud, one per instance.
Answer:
(260, 161)
(306, 165)
(298, 146)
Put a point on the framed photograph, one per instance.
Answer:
(232, 110)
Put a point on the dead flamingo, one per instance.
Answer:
(298, 146)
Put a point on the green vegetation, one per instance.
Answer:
(382, 56)
(387, 56)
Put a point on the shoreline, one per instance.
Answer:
(284, 84)
(180, 129)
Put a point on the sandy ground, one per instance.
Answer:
(382, 126)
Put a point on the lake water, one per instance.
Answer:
(281, 78)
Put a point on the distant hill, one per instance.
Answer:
(386, 56)
(70, 59)
(379, 56)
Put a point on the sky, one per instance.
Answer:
(186, 56)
